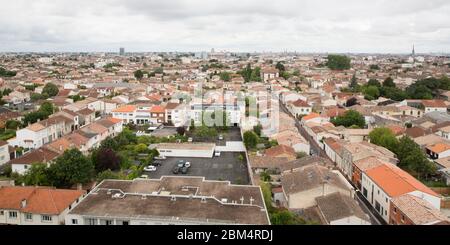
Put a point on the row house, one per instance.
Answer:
(83, 139)
(36, 205)
(141, 114)
(235, 113)
(299, 108)
(382, 184)
(43, 132)
(412, 210)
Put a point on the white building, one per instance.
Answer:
(170, 201)
(382, 183)
(4, 152)
(201, 150)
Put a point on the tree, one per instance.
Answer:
(12, 124)
(371, 93)
(37, 174)
(138, 74)
(413, 159)
(50, 89)
(351, 102)
(350, 118)
(33, 117)
(47, 108)
(374, 82)
(258, 129)
(389, 82)
(246, 73)
(280, 67)
(384, 137)
(6, 73)
(181, 131)
(354, 82)
(374, 67)
(107, 159)
(109, 143)
(225, 76)
(71, 168)
(338, 62)
(250, 140)
(107, 174)
(256, 75)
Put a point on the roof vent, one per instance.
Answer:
(173, 198)
(117, 195)
(203, 199)
(144, 197)
(224, 200)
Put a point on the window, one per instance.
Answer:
(12, 214)
(125, 222)
(403, 218)
(29, 217)
(2, 212)
(108, 222)
(46, 218)
(74, 222)
(395, 210)
(91, 221)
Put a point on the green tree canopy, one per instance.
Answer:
(50, 89)
(389, 82)
(138, 74)
(71, 168)
(384, 137)
(250, 139)
(349, 119)
(371, 93)
(338, 62)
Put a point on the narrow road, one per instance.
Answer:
(316, 150)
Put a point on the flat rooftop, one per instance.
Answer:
(188, 146)
(180, 198)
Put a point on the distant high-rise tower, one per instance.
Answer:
(414, 50)
(122, 51)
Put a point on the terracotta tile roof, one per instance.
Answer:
(368, 163)
(434, 103)
(397, 130)
(158, 109)
(396, 182)
(171, 106)
(127, 108)
(419, 211)
(415, 132)
(310, 116)
(41, 155)
(279, 150)
(38, 200)
(85, 112)
(300, 103)
(439, 148)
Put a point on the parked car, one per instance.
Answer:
(190, 139)
(183, 163)
(160, 158)
(150, 168)
(176, 170)
(220, 137)
(144, 176)
(217, 153)
(184, 170)
(157, 163)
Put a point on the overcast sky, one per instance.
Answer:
(387, 26)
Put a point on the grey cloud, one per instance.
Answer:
(239, 25)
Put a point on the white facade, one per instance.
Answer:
(4, 154)
(187, 150)
(432, 109)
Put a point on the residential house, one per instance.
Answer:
(412, 210)
(383, 183)
(36, 205)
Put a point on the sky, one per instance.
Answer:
(359, 26)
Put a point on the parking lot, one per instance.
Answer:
(226, 167)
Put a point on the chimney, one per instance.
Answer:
(60, 148)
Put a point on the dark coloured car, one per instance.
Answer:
(157, 163)
(176, 170)
(184, 170)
